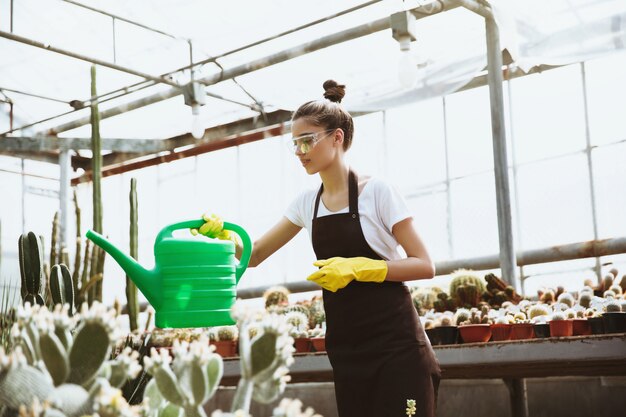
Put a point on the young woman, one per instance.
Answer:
(379, 352)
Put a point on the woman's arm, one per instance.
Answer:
(417, 265)
(271, 241)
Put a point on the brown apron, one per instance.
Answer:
(376, 345)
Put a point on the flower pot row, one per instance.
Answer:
(310, 344)
(475, 333)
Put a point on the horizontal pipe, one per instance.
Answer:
(321, 43)
(589, 249)
(53, 143)
(81, 57)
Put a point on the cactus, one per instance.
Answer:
(473, 285)
(445, 321)
(461, 316)
(78, 250)
(54, 237)
(131, 288)
(276, 296)
(31, 269)
(547, 297)
(612, 306)
(584, 299)
(62, 287)
(566, 298)
(425, 296)
(558, 315)
(96, 168)
(52, 365)
(186, 385)
(227, 333)
(538, 310)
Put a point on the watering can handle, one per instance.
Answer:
(167, 231)
(247, 247)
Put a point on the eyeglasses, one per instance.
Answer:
(304, 143)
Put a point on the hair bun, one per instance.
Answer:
(333, 91)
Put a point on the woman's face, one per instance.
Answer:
(315, 146)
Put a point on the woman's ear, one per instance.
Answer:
(338, 136)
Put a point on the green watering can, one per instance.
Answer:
(194, 281)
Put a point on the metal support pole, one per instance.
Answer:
(588, 149)
(518, 395)
(503, 198)
(65, 165)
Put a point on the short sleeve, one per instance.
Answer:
(392, 207)
(295, 211)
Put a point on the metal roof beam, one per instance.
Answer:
(53, 143)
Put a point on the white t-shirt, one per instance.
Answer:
(380, 207)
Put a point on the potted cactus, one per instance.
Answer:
(448, 332)
(501, 329)
(560, 325)
(226, 341)
(539, 314)
(613, 317)
(298, 329)
(318, 339)
(474, 329)
(594, 318)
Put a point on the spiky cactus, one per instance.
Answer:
(612, 306)
(538, 310)
(31, 269)
(461, 316)
(584, 299)
(276, 296)
(62, 287)
(566, 298)
(96, 168)
(64, 369)
(187, 384)
(466, 287)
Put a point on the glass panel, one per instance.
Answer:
(416, 145)
(606, 88)
(469, 132)
(368, 148)
(610, 183)
(430, 220)
(555, 206)
(474, 216)
(548, 114)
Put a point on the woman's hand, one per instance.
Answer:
(336, 273)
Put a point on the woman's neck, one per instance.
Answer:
(335, 178)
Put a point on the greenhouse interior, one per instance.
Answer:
(158, 160)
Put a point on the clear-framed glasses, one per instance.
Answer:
(304, 143)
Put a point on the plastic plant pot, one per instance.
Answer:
(596, 324)
(475, 333)
(302, 344)
(581, 327)
(449, 335)
(434, 335)
(500, 332)
(561, 328)
(520, 331)
(319, 344)
(614, 322)
(541, 330)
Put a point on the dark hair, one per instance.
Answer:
(329, 113)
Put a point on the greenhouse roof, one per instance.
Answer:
(136, 43)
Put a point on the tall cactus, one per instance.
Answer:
(54, 237)
(79, 244)
(96, 167)
(131, 288)
(31, 269)
(62, 287)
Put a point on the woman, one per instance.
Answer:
(375, 343)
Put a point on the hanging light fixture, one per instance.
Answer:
(403, 30)
(195, 97)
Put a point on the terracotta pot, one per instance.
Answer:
(520, 331)
(500, 331)
(541, 330)
(302, 344)
(319, 344)
(560, 328)
(449, 335)
(473, 333)
(581, 327)
(597, 325)
(614, 322)
(225, 348)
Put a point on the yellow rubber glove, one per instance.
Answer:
(214, 228)
(336, 273)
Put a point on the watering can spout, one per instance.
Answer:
(146, 280)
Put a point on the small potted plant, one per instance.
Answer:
(318, 339)
(474, 329)
(560, 325)
(501, 328)
(614, 318)
(594, 318)
(522, 328)
(299, 326)
(226, 342)
(538, 315)
(580, 325)
(448, 332)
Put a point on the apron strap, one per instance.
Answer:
(353, 195)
